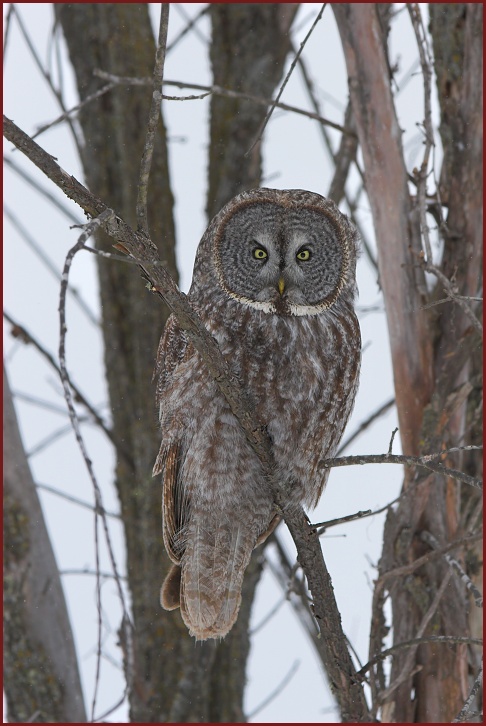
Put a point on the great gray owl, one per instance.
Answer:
(274, 282)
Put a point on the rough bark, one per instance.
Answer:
(41, 677)
(433, 359)
(396, 224)
(250, 43)
(118, 38)
(206, 683)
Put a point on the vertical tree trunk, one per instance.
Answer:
(249, 45)
(172, 681)
(41, 677)
(430, 356)
(396, 224)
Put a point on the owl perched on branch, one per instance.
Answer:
(274, 283)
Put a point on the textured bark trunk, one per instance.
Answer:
(41, 677)
(396, 224)
(434, 357)
(172, 681)
(250, 43)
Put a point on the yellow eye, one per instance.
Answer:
(260, 254)
(303, 255)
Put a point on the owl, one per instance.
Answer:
(274, 283)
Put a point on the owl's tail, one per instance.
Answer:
(213, 566)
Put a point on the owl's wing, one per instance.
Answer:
(173, 349)
(173, 516)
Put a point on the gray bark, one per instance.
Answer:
(41, 677)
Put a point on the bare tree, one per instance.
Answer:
(430, 562)
(434, 343)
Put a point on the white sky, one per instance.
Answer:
(294, 157)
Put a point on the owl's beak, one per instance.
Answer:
(281, 286)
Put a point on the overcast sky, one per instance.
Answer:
(294, 157)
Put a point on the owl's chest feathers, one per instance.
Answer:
(300, 372)
(301, 375)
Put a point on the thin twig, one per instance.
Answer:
(277, 691)
(19, 332)
(35, 184)
(92, 97)
(41, 402)
(92, 573)
(38, 250)
(100, 615)
(341, 520)
(422, 173)
(363, 426)
(444, 300)
(219, 91)
(464, 712)
(433, 542)
(404, 460)
(113, 255)
(390, 447)
(341, 160)
(425, 559)
(153, 120)
(286, 79)
(266, 619)
(409, 661)
(46, 75)
(99, 511)
(451, 292)
(417, 641)
(119, 703)
(452, 449)
(74, 500)
(54, 436)
(6, 34)
(191, 25)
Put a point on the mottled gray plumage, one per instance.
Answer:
(274, 282)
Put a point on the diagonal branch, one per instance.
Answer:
(153, 120)
(331, 642)
(286, 79)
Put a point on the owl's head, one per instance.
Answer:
(289, 252)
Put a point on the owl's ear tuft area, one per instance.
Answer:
(170, 593)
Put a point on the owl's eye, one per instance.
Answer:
(303, 255)
(259, 253)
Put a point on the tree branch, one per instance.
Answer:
(331, 640)
(153, 119)
(19, 331)
(219, 91)
(417, 641)
(290, 71)
(406, 460)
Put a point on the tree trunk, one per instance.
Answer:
(249, 45)
(41, 677)
(434, 358)
(172, 681)
(396, 225)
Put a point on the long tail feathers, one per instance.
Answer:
(213, 567)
